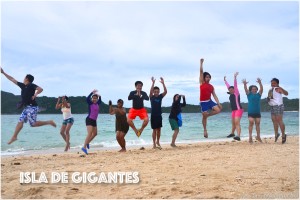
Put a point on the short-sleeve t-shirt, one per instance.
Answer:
(253, 103)
(156, 105)
(27, 91)
(206, 90)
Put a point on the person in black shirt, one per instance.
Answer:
(156, 118)
(29, 92)
(175, 116)
(138, 96)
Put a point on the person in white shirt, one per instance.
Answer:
(275, 100)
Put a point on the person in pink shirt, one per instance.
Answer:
(236, 107)
(208, 107)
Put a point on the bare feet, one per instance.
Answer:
(138, 133)
(205, 134)
(250, 141)
(52, 123)
(67, 146)
(258, 139)
(122, 150)
(173, 145)
(12, 140)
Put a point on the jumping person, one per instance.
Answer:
(277, 108)
(122, 126)
(138, 96)
(236, 107)
(29, 92)
(156, 118)
(94, 101)
(206, 90)
(68, 121)
(254, 115)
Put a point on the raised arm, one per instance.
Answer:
(184, 102)
(58, 105)
(261, 88)
(226, 83)
(164, 86)
(201, 71)
(111, 109)
(9, 77)
(245, 86)
(236, 90)
(152, 86)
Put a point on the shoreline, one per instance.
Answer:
(96, 148)
(201, 170)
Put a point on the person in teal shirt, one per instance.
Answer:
(254, 97)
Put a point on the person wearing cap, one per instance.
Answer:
(29, 92)
(254, 98)
(94, 101)
(122, 126)
(236, 107)
(68, 119)
(138, 96)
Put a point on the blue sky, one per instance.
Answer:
(73, 47)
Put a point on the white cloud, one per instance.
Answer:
(110, 45)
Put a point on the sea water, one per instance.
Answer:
(45, 138)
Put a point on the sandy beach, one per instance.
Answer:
(203, 170)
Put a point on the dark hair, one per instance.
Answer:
(30, 78)
(229, 88)
(120, 100)
(205, 74)
(138, 82)
(66, 98)
(156, 88)
(276, 80)
(251, 86)
(174, 97)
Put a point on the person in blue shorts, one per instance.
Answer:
(156, 118)
(64, 105)
(29, 92)
(254, 97)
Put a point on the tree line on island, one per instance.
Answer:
(47, 105)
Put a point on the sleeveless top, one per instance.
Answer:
(66, 113)
(276, 99)
(206, 90)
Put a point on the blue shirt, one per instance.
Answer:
(156, 105)
(253, 103)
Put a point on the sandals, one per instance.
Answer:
(276, 137)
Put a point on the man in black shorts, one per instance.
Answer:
(156, 118)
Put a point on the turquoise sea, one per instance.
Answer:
(47, 138)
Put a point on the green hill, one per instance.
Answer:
(47, 105)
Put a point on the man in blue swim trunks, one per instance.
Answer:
(29, 92)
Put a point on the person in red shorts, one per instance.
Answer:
(138, 96)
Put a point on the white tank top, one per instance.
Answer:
(66, 113)
(277, 99)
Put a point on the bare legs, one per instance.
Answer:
(257, 126)
(121, 140)
(156, 137)
(92, 132)
(176, 131)
(65, 133)
(138, 132)
(36, 124)
(278, 122)
(205, 115)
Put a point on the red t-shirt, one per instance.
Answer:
(206, 90)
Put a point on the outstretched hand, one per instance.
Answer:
(258, 80)
(162, 80)
(153, 79)
(236, 74)
(244, 81)
(2, 70)
(201, 60)
(224, 78)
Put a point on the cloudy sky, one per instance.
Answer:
(73, 47)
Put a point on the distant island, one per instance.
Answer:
(47, 105)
